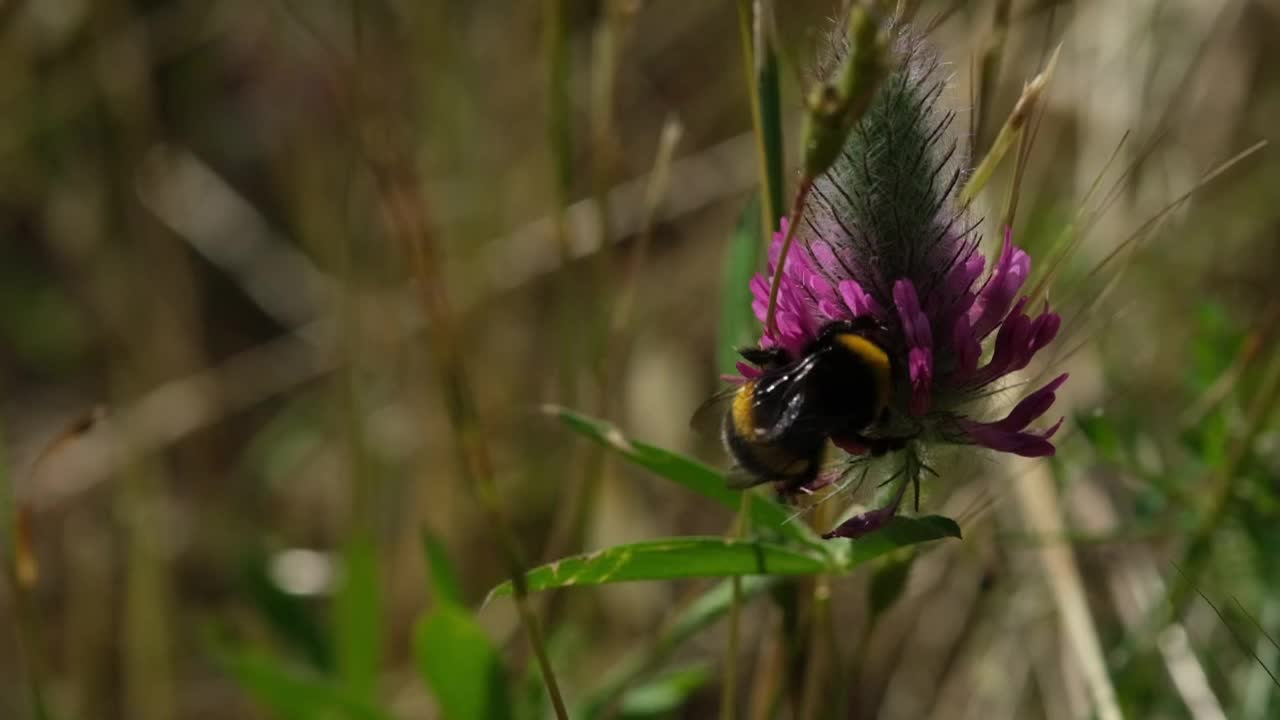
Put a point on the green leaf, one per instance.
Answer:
(461, 667)
(738, 325)
(444, 576)
(292, 619)
(686, 472)
(677, 557)
(664, 694)
(900, 532)
(357, 610)
(294, 693)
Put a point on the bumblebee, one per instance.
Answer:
(776, 426)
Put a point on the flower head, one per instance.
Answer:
(882, 238)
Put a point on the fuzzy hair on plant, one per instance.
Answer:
(883, 240)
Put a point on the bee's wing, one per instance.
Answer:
(784, 394)
(708, 417)
(778, 402)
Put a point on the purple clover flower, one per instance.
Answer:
(935, 328)
(882, 237)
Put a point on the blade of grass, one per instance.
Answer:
(444, 576)
(357, 608)
(681, 470)
(694, 556)
(292, 692)
(290, 617)
(461, 666)
(662, 696)
(671, 558)
(357, 613)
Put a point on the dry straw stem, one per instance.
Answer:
(729, 686)
(1038, 499)
(1010, 132)
(406, 220)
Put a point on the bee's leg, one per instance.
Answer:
(852, 443)
(765, 357)
(859, 444)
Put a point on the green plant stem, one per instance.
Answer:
(559, 136)
(406, 221)
(729, 687)
(567, 308)
(760, 63)
(816, 667)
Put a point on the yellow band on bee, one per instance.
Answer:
(743, 418)
(876, 359)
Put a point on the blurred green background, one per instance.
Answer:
(198, 214)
